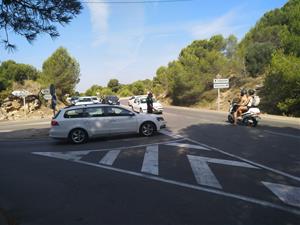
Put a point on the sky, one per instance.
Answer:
(129, 42)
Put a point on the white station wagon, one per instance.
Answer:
(79, 123)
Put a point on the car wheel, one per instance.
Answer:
(147, 129)
(78, 136)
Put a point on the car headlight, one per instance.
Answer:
(160, 119)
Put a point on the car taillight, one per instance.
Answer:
(54, 123)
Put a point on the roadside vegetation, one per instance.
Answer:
(266, 59)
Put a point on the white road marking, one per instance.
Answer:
(184, 145)
(72, 157)
(75, 155)
(282, 134)
(170, 134)
(150, 163)
(248, 161)
(110, 157)
(204, 175)
(195, 187)
(288, 194)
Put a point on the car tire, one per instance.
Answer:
(147, 129)
(78, 136)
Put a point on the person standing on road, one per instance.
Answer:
(149, 101)
(53, 104)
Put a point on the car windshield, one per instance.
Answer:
(85, 100)
(144, 100)
(112, 98)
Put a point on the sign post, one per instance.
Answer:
(220, 83)
(23, 94)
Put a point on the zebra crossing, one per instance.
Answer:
(194, 166)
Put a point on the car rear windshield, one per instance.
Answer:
(56, 115)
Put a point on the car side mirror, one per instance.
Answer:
(131, 114)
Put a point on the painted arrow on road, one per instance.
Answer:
(288, 194)
(204, 175)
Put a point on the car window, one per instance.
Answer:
(143, 100)
(95, 112)
(116, 111)
(74, 113)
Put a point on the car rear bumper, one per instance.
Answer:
(57, 134)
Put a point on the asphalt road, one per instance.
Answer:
(201, 170)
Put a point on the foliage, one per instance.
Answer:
(188, 77)
(95, 90)
(277, 29)
(29, 18)
(282, 85)
(61, 70)
(138, 88)
(10, 72)
(257, 56)
(124, 92)
(114, 85)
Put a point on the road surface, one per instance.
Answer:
(201, 170)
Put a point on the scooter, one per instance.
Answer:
(249, 118)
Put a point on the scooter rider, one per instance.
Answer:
(241, 105)
(248, 103)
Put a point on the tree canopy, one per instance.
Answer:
(10, 72)
(61, 70)
(29, 18)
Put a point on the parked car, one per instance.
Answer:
(131, 100)
(84, 101)
(73, 100)
(79, 123)
(111, 100)
(95, 99)
(140, 105)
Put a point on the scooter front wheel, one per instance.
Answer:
(230, 119)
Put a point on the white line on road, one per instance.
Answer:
(202, 172)
(150, 163)
(184, 145)
(110, 157)
(288, 194)
(72, 156)
(170, 134)
(282, 134)
(5, 131)
(195, 187)
(248, 161)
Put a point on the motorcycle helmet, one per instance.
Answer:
(243, 91)
(251, 92)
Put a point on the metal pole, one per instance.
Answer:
(218, 99)
(24, 103)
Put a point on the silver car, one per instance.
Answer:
(79, 123)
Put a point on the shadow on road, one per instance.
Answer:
(276, 147)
